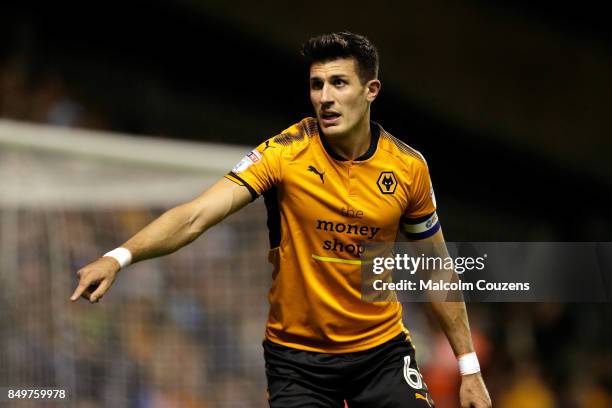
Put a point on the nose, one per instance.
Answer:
(326, 94)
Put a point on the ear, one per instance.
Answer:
(373, 88)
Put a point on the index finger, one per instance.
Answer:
(83, 285)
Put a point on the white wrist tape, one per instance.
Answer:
(468, 364)
(122, 255)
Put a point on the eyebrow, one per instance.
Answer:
(337, 76)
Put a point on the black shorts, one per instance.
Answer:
(384, 376)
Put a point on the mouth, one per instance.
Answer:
(329, 117)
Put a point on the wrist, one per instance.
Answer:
(468, 364)
(123, 256)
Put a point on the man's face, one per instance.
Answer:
(339, 98)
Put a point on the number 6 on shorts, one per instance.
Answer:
(412, 375)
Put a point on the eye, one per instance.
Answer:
(316, 84)
(339, 82)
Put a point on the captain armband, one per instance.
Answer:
(422, 227)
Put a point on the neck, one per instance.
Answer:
(355, 143)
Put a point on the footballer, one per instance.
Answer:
(331, 184)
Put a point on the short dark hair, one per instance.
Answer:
(344, 44)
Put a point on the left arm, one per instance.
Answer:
(453, 320)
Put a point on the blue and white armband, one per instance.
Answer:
(422, 227)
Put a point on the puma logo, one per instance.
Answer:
(317, 172)
(267, 146)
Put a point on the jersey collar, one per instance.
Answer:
(375, 135)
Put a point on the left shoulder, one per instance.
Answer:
(399, 149)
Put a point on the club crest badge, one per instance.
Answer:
(387, 182)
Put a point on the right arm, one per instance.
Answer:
(174, 229)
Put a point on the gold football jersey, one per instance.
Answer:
(322, 210)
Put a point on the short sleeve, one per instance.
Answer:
(420, 219)
(260, 169)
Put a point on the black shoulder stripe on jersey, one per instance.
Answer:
(254, 194)
(273, 222)
(307, 127)
(287, 138)
(404, 148)
(310, 126)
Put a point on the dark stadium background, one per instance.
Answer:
(509, 101)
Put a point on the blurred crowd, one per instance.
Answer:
(43, 97)
(532, 355)
(181, 331)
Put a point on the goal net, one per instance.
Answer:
(184, 330)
